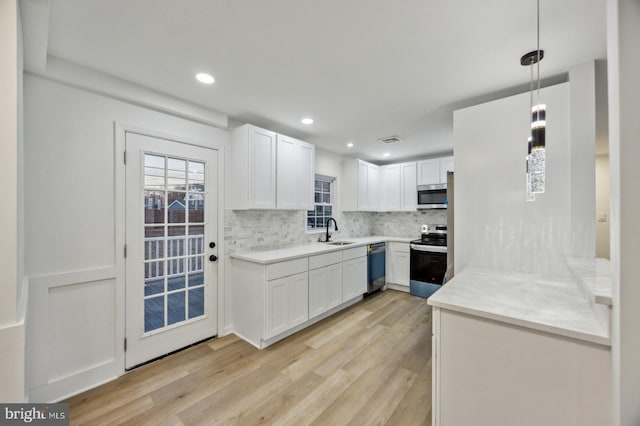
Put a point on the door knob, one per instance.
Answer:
(212, 244)
(213, 258)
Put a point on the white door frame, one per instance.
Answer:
(120, 130)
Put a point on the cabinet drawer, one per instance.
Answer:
(284, 269)
(321, 260)
(352, 253)
(398, 247)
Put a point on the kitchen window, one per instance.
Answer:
(323, 203)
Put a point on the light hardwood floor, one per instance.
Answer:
(369, 364)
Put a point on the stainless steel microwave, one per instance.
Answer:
(432, 196)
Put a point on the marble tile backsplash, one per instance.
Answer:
(267, 229)
(405, 224)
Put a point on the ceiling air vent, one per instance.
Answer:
(390, 139)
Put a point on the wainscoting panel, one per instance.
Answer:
(75, 338)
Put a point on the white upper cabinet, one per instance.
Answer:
(373, 187)
(306, 172)
(390, 184)
(294, 174)
(360, 186)
(409, 191)
(398, 187)
(434, 170)
(269, 171)
(446, 165)
(286, 174)
(429, 172)
(252, 175)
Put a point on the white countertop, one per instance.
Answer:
(555, 305)
(595, 275)
(302, 250)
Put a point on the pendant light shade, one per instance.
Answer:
(536, 144)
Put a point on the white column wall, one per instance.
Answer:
(495, 226)
(582, 109)
(623, 33)
(11, 328)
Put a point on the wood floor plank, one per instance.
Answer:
(222, 342)
(329, 334)
(368, 364)
(382, 405)
(281, 402)
(311, 407)
(416, 403)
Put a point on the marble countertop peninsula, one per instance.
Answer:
(302, 250)
(556, 305)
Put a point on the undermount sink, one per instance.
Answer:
(341, 243)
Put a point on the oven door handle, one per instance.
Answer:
(430, 249)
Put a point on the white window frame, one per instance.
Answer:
(332, 202)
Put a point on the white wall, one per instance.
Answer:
(603, 184)
(623, 33)
(495, 226)
(12, 371)
(75, 327)
(582, 110)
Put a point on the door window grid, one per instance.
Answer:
(323, 203)
(174, 260)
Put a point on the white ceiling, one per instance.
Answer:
(362, 69)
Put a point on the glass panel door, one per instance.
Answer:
(171, 232)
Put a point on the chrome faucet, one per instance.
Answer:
(335, 227)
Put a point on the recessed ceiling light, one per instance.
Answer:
(205, 78)
(386, 154)
(350, 145)
(307, 120)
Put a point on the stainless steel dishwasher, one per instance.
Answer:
(376, 266)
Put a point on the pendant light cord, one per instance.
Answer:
(538, 55)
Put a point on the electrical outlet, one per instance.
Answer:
(602, 217)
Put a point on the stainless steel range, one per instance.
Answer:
(428, 261)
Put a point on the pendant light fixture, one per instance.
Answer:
(536, 152)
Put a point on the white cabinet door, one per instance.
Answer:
(354, 278)
(373, 187)
(306, 165)
(390, 188)
(262, 168)
(286, 173)
(334, 285)
(363, 185)
(429, 172)
(295, 168)
(446, 165)
(360, 285)
(299, 299)
(400, 267)
(277, 302)
(325, 289)
(409, 198)
(287, 303)
(317, 298)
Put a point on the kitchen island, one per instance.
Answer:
(278, 292)
(514, 348)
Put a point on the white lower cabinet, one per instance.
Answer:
(270, 302)
(398, 263)
(325, 289)
(354, 278)
(286, 303)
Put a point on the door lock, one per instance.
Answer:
(212, 244)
